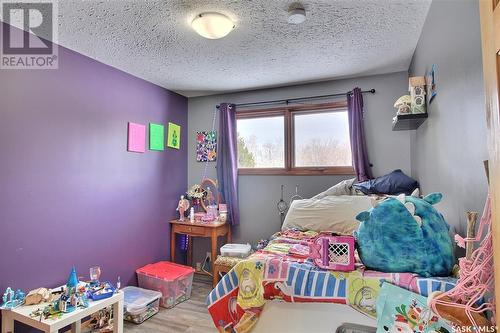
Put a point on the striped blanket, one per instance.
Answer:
(237, 301)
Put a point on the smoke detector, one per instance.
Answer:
(296, 14)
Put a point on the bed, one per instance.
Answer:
(280, 289)
(274, 291)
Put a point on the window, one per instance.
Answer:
(306, 139)
(261, 142)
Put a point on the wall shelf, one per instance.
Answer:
(407, 122)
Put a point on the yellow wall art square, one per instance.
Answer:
(174, 136)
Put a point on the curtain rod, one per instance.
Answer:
(291, 100)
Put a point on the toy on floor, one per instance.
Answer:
(406, 234)
(471, 300)
(102, 320)
(11, 299)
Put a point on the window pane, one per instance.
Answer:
(322, 139)
(261, 142)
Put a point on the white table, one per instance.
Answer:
(22, 314)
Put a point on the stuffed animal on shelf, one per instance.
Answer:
(406, 234)
(403, 104)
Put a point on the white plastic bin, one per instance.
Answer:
(236, 250)
(140, 304)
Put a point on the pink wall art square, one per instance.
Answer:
(136, 138)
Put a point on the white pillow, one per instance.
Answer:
(342, 188)
(332, 213)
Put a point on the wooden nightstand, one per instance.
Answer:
(197, 229)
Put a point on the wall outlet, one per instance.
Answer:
(198, 266)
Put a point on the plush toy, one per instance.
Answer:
(403, 104)
(406, 234)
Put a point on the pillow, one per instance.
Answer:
(332, 213)
(342, 188)
(406, 234)
(394, 183)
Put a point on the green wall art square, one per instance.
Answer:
(174, 136)
(156, 137)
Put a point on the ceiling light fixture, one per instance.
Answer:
(296, 14)
(212, 25)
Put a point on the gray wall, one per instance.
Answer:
(259, 194)
(448, 149)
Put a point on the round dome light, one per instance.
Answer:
(212, 25)
(296, 15)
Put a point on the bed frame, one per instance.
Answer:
(279, 316)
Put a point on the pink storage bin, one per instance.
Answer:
(174, 281)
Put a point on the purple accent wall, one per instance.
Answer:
(70, 193)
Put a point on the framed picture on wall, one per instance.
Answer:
(206, 146)
(136, 138)
(156, 137)
(174, 136)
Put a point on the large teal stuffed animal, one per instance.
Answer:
(406, 234)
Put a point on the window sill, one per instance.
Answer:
(298, 171)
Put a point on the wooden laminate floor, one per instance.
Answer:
(190, 316)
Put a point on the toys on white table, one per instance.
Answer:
(37, 296)
(101, 291)
(97, 290)
(95, 274)
(74, 295)
(11, 299)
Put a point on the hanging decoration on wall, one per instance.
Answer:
(206, 146)
(431, 84)
(136, 138)
(174, 136)
(156, 137)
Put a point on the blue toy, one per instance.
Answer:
(72, 298)
(406, 234)
(11, 299)
(72, 279)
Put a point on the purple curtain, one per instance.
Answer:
(360, 160)
(227, 161)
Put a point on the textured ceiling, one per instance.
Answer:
(153, 40)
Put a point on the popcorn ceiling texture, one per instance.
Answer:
(154, 40)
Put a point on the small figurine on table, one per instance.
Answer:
(182, 207)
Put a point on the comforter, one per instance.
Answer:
(278, 272)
